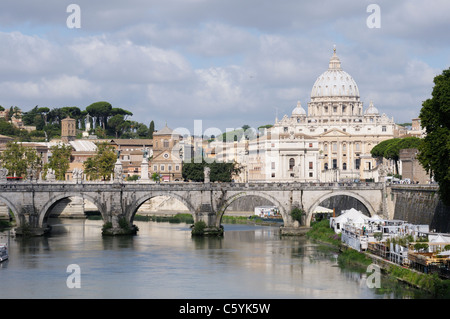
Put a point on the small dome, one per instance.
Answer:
(299, 110)
(371, 110)
(335, 82)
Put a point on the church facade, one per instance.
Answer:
(331, 141)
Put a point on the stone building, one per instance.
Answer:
(343, 131)
(68, 130)
(131, 153)
(167, 155)
(410, 167)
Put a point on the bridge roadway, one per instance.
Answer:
(31, 201)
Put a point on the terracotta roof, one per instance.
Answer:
(138, 142)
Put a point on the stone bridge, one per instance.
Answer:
(31, 201)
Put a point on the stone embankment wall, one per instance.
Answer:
(420, 205)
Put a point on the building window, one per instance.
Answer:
(310, 174)
(273, 174)
(162, 168)
(357, 163)
(334, 147)
(310, 165)
(177, 167)
(383, 128)
(344, 166)
(325, 166)
(291, 163)
(344, 147)
(358, 146)
(273, 165)
(310, 144)
(169, 167)
(155, 168)
(325, 147)
(334, 163)
(166, 144)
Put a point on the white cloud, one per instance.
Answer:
(228, 62)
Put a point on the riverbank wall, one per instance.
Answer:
(420, 205)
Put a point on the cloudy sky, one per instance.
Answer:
(226, 63)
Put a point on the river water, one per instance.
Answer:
(164, 261)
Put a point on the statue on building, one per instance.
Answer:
(207, 172)
(77, 175)
(118, 171)
(51, 177)
(3, 174)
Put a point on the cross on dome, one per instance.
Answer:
(335, 63)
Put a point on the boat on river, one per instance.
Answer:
(3, 252)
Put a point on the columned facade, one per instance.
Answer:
(337, 123)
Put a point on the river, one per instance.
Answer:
(164, 261)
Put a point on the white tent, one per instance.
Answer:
(321, 209)
(348, 216)
(438, 238)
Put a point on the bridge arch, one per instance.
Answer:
(221, 210)
(142, 199)
(13, 209)
(45, 211)
(312, 208)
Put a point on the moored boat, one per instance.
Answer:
(3, 252)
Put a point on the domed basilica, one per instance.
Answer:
(331, 141)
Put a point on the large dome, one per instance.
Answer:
(335, 82)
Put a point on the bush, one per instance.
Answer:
(106, 226)
(199, 228)
(323, 232)
(297, 214)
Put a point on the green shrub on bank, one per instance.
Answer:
(178, 218)
(354, 259)
(430, 282)
(234, 219)
(323, 232)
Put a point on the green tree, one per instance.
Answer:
(7, 128)
(151, 129)
(156, 177)
(60, 160)
(220, 172)
(101, 166)
(435, 150)
(17, 158)
(390, 149)
(100, 111)
(116, 123)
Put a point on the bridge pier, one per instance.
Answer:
(28, 223)
(119, 225)
(209, 217)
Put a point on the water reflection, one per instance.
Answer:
(164, 261)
